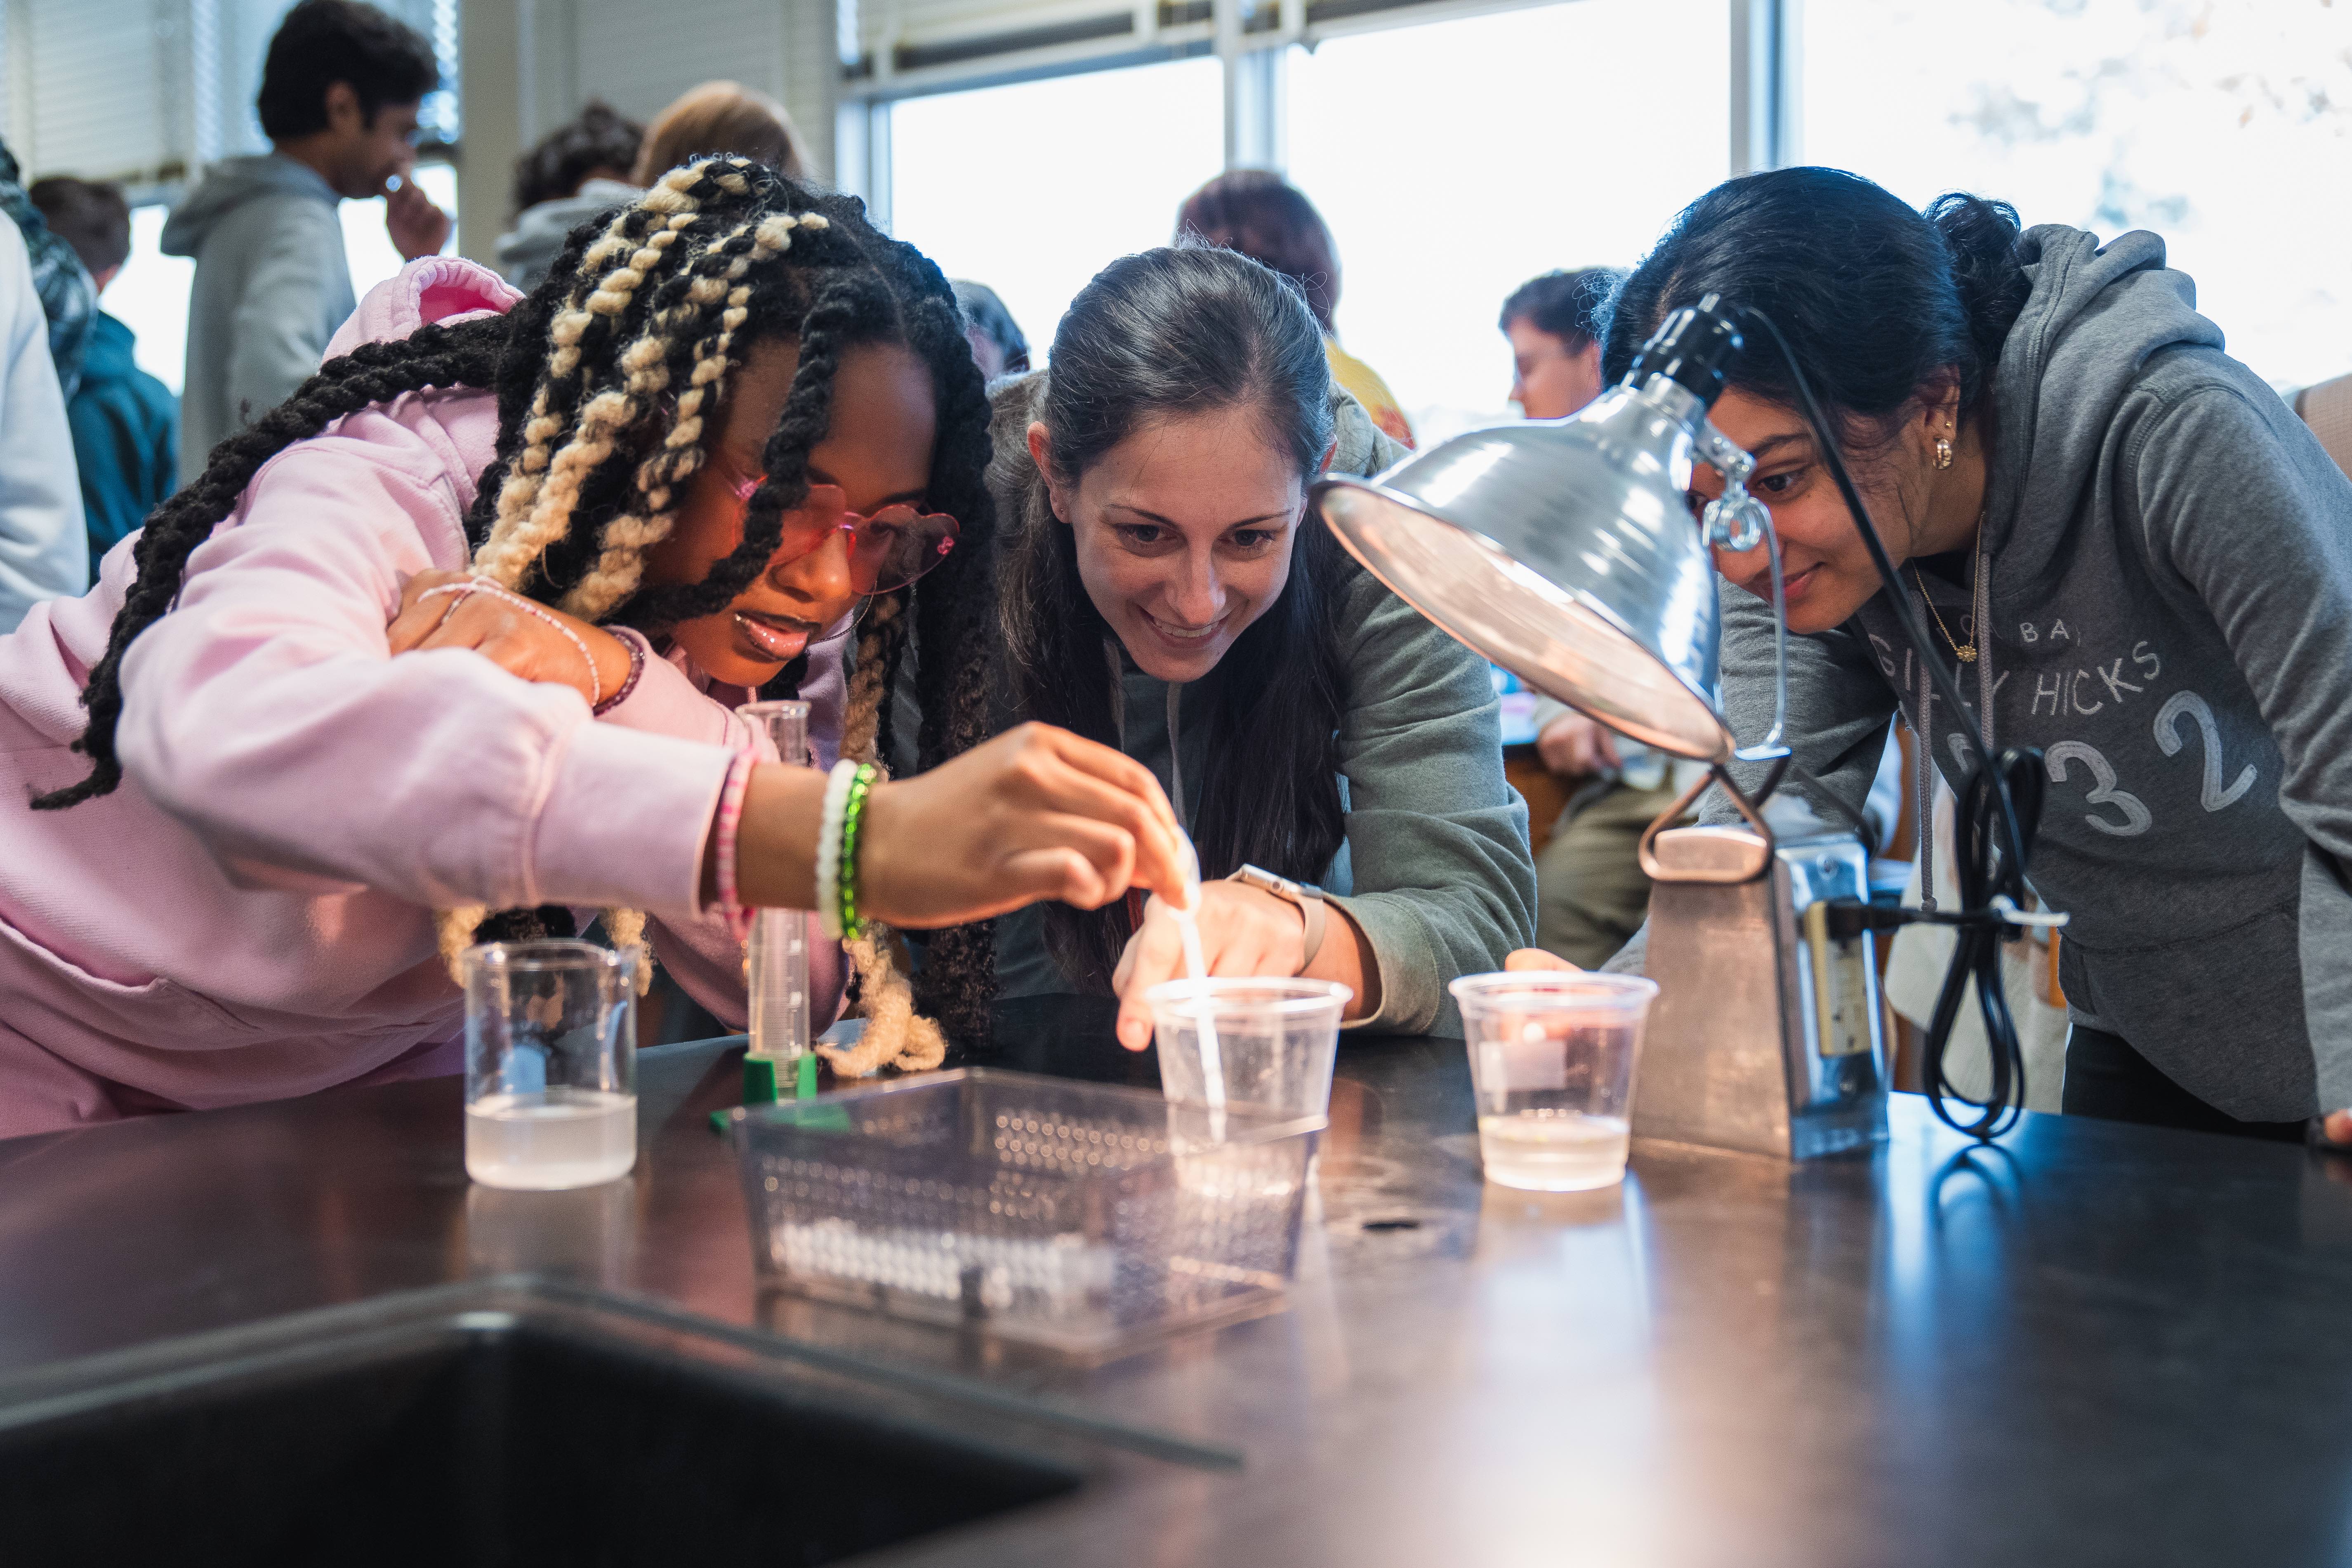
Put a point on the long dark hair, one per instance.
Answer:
(1168, 333)
(608, 378)
(1876, 300)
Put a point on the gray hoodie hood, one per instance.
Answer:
(230, 184)
(272, 285)
(2167, 614)
(2098, 318)
(529, 249)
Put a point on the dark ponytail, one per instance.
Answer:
(1980, 235)
(1165, 334)
(1876, 300)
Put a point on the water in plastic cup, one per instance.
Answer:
(551, 1064)
(1551, 1065)
(1275, 1041)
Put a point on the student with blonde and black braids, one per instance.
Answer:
(459, 629)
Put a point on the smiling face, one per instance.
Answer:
(876, 449)
(1183, 533)
(1919, 509)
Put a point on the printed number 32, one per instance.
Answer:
(2136, 820)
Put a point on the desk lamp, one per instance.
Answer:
(1566, 551)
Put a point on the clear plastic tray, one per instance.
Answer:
(1076, 1216)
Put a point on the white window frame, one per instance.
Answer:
(1252, 39)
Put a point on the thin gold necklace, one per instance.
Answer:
(1966, 653)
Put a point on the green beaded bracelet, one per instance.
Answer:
(853, 818)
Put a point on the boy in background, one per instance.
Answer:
(339, 92)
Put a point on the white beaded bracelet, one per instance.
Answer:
(828, 847)
(473, 585)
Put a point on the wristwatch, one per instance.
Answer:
(1306, 896)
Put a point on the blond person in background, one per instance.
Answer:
(721, 117)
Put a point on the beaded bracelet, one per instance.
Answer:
(636, 643)
(473, 585)
(828, 847)
(731, 817)
(853, 818)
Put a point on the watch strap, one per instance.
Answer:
(1318, 918)
(1307, 900)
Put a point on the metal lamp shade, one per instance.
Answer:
(1565, 552)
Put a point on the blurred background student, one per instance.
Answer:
(578, 170)
(602, 160)
(721, 117)
(1553, 323)
(1270, 220)
(1591, 895)
(67, 301)
(43, 554)
(340, 88)
(998, 345)
(126, 424)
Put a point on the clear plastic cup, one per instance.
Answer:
(551, 1064)
(1275, 1041)
(1551, 1064)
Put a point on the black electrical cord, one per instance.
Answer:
(1991, 844)
(1978, 951)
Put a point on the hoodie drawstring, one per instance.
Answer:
(1981, 637)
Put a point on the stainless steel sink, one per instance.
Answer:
(514, 1427)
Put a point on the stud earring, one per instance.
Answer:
(1943, 452)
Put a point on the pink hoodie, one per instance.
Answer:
(248, 917)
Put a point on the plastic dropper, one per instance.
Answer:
(1188, 929)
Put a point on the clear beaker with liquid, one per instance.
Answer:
(551, 1064)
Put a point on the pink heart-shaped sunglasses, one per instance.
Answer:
(888, 550)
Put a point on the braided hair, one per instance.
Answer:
(607, 378)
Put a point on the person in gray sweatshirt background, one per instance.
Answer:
(2134, 556)
(577, 171)
(340, 90)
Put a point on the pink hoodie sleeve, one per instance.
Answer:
(267, 713)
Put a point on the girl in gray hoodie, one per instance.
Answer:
(2134, 556)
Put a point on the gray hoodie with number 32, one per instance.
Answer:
(2169, 555)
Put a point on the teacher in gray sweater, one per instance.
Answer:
(2135, 557)
(1162, 591)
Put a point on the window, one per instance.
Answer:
(150, 296)
(1033, 188)
(1456, 160)
(2223, 125)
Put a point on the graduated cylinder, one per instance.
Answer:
(779, 957)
